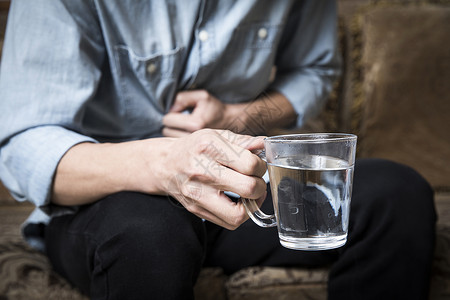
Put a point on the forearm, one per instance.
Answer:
(88, 171)
(195, 170)
(272, 110)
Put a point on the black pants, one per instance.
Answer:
(136, 246)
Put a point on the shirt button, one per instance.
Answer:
(262, 33)
(151, 68)
(203, 35)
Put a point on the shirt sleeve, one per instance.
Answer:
(308, 61)
(50, 69)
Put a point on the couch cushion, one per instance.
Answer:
(26, 274)
(260, 283)
(404, 96)
(440, 279)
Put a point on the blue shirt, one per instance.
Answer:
(107, 71)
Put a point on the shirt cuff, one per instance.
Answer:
(306, 92)
(29, 161)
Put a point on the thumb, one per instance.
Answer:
(183, 101)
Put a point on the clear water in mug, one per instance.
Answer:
(311, 197)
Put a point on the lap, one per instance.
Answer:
(387, 198)
(128, 213)
(154, 238)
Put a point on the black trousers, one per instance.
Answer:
(136, 246)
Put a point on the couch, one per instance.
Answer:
(394, 94)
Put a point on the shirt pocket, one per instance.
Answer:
(147, 83)
(249, 58)
(255, 36)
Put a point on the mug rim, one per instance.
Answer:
(311, 137)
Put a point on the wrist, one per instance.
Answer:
(271, 111)
(249, 117)
(148, 170)
(237, 119)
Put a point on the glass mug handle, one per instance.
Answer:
(253, 210)
(257, 215)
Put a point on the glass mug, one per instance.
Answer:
(311, 177)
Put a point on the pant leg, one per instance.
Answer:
(390, 244)
(392, 232)
(129, 246)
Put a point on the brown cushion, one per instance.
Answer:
(26, 274)
(210, 285)
(405, 87)
(440, 279)
(278, 283)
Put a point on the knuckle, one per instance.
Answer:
(198, 124)
(226, 132)
(231, 227)
(202, 146)
(238, 220)
(204, 134)
(201, 175)
(193, 209)
(190, 205)
(181, 97)
(253, 164)
(193, 190)
(198, 175)
(254, 188)
(251, 187)
(203, 94)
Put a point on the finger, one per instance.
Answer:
(245, 141)
(234, 156)
(182, 121)
(246, 163)
(216, 208)
(187, 99)
(251, 187)
(227, 221)
(172, 132)
(261, 200)
(255, 143)
(228, 213)
(222, 178)
(204, 214)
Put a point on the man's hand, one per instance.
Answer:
(206, 112)
(201, 166)
(271, 110)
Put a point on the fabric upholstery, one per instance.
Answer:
(404, 97)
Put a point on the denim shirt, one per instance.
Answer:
(108, 71)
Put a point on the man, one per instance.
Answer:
(114, 118)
